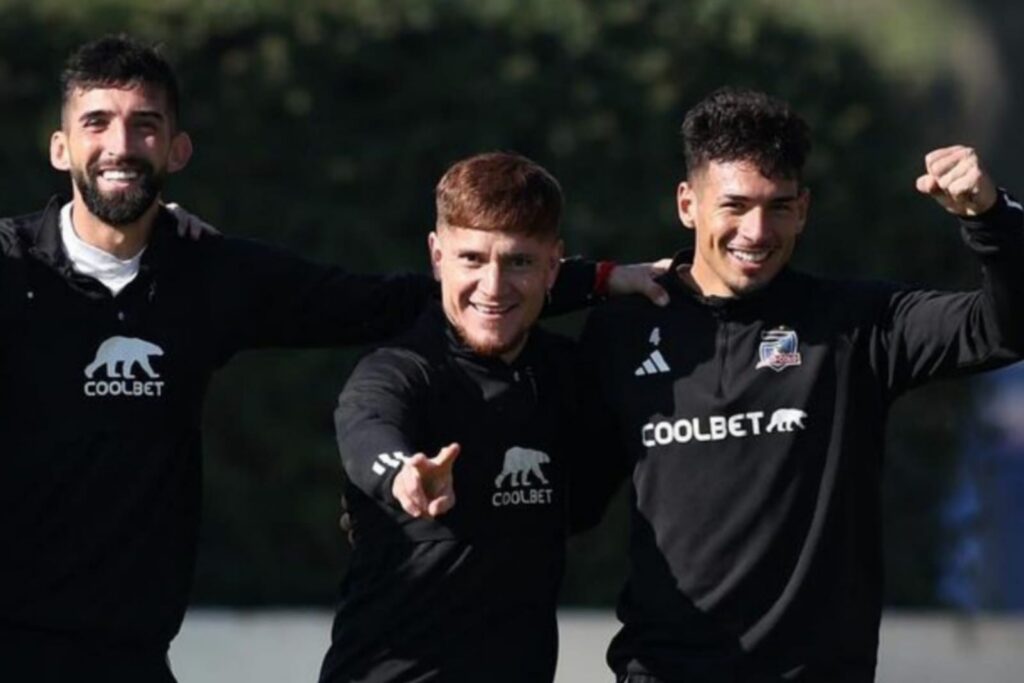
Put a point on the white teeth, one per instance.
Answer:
(119, 175)
(750, 256)
(491, 310)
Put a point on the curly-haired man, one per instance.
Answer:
(753, 409)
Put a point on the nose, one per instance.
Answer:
(116, 140)
(754, 226)
(491, 280)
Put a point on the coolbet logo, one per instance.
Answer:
(119, 357)
(779, 350)
(520, 463)
(720, 427)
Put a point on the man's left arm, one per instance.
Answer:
(274, 298)
(939, 334)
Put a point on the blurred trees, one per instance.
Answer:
(324, 126)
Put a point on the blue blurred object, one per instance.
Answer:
(984, 569)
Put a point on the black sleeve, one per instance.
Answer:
(929, 334)
(600, 465)
(12, 289)
(378, 419)
(265, 296)
(574, 288)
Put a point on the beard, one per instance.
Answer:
(125, 206)
(490, 349)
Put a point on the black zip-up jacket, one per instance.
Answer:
(100, 405)
(755, 430)
(470, 595)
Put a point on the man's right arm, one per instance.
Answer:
(378, 420)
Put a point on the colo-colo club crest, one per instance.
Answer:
(778, 350)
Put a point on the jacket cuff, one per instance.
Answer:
(997, 229)
(1006, 214)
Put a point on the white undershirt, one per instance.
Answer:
(112, 272)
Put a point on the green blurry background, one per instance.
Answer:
(323, 126)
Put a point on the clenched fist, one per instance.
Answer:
(955, 179)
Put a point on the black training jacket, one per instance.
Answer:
(100, 406)
(469, 596)
(755, 430)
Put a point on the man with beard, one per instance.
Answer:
(110, 329)
(753, 409)
(440, 590)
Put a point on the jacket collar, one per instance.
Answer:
(44, 241)
(43, 237)
(490, 377)
(679, 291)
(458, 348)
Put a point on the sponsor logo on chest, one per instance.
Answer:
(522, 480)
(123, 367)
(721, 427)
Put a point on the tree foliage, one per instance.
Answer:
(324, 126)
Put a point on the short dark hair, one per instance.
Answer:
(118, 61)
(500, 191)
(734, 124)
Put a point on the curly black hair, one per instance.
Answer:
(119, 61)
(734, 124)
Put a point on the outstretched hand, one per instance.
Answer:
(425, 486)
(955, 179)
(638, 278)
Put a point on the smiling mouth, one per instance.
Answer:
(119, 175)
(751, 256)
(492, 310)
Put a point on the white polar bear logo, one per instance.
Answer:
(520, 463)
(786, 420)
(128, 351)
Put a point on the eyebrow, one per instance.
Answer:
(142, 113)
(502, 258)
(516, 256)
(746, 198)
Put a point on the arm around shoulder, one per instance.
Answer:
(271, 297)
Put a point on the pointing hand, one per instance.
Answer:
(425, 486)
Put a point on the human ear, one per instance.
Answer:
(686, 204)
(59, 157)
(554, 263)
(434, 247)
(803, 205)
(181, 152)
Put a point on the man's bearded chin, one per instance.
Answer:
(124, 206)
(489, 350)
